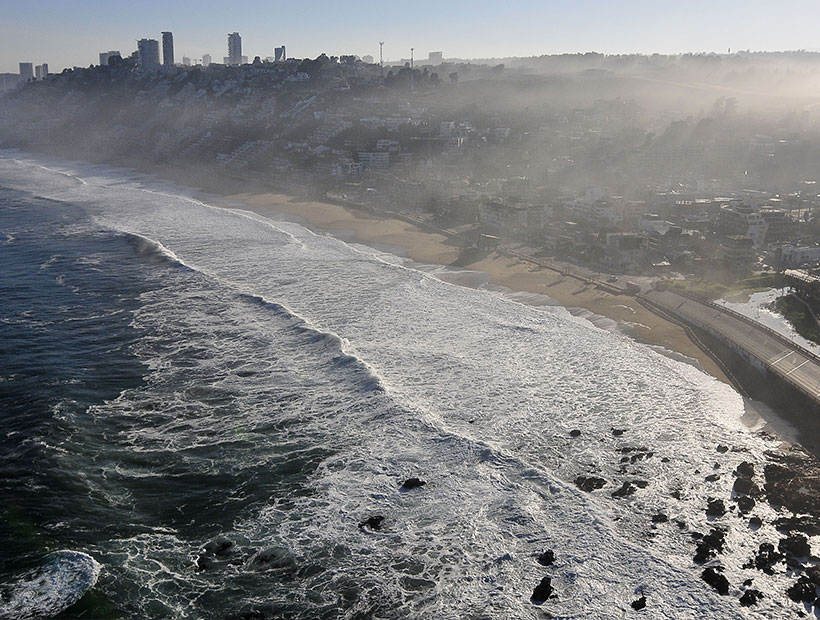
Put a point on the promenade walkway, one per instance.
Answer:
(758, 344)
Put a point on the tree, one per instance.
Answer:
(454, 77)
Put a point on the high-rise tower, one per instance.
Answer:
(234, 49)
(168, 49)
(148, 54)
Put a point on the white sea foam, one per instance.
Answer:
(59, 582)
(269, 340)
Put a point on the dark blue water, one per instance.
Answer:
(149, 415)
(67, 295)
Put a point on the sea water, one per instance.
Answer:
(211, 404)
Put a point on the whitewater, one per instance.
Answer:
(288, 383)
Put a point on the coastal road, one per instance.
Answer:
(787, 360)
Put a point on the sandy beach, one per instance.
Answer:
(515, 274)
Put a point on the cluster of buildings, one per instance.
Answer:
(149, 58)
(556, 185)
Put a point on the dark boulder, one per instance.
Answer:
(712, 477)
(715, 508)
(766, 558)
(617, 432)
(547, 558)
(795, 546)
(750, 597)
(745, 470)
(575, 433)
(744, 486)
(412, 483)
(273, 557)
(745, 504)
(589, 483)
(638, 604)
(802, 591)
(708, 546)
(627, 488)
(659, 518)
(722, 449)
(716, 580)
(374, 522)
(542, 591)
(219, 546)
(808, 524)
(755, 522)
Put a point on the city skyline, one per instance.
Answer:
(65, 36)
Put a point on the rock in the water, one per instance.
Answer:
(709, 546)
(218, 546)
(795, 546)
(659, 518)
(575, 433)
(638, 604)
(547, 558)
(589, 483)
(722, 449)
(712, 477)
(743, 486)
(716, 580)
(745, 470)
(745, 504)
(617, 432)
(273, 557)
(766, 558)
(715, 508)
(627, 488)
(412, 483)
(750, 597)
(803, 591)
(374, 522)
(808, 524)
(755, 522)
(542, 591)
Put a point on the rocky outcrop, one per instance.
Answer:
(542, 591)
(716, 580)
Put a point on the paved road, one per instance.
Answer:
(796, 365)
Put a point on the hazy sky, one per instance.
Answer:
(65, 33)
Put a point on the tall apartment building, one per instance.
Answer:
(26, 70)
(168, 49)
(234, 49)
(148, 54)
(279, 54)
(206, 60)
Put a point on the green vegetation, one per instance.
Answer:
(710, 289)
(700, 288)
(799, 316)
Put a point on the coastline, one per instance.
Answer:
(502, 271)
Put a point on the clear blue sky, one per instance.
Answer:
(65, 33)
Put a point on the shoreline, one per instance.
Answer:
(502, 272)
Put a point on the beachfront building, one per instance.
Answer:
(736, 252)
(741, 220)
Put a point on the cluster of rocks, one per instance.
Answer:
(787, 480)
(792, 480)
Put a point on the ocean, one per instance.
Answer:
(215, 407)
